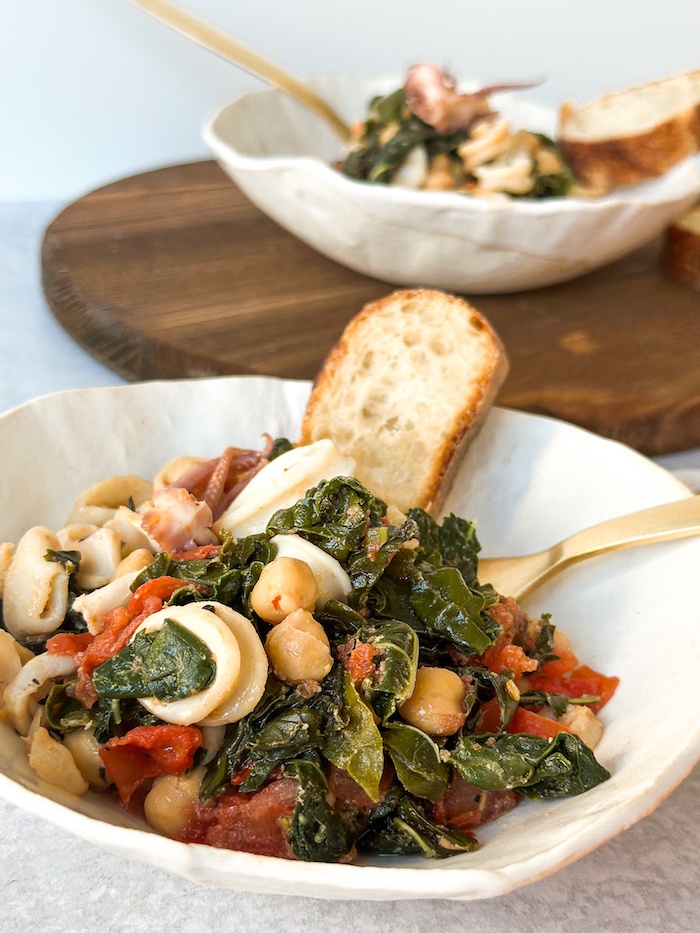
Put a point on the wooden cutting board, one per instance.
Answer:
(174, 273)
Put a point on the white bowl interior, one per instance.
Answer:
(527, 481)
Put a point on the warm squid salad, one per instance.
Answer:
(254, 652)
(428, 136)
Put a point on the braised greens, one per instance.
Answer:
(530, 164)
(415, 595)
(317, 833)
(68, 559)
(392, 682)
(530, 764)
(334, 515)
(366, 779)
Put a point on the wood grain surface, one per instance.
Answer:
(174, 273)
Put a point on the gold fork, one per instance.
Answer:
(518, 576)
(234, 51)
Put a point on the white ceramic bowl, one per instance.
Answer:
(528, 481)
(280, 155)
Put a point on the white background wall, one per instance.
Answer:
(91, 90)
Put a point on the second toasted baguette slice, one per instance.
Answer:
(630, 136)
(403, 391)
(680, 249)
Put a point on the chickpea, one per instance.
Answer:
(85, 750)
(435, 706)
(284, 585)
(169, 804)
(298, 649)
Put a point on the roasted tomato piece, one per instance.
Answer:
(489, 718)
(247, 822)
(524, 720)
(69, 644)
(160, 588)
(565, 661)
(465, 806)
(533, 724)
(509, 658)
(345, 790)
(357, 659)
(605, 687)
(583, 681)
(147, 752)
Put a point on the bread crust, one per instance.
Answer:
(449, 450)
(680, 253)
(631, 157)
(452, 451)
(612, 163)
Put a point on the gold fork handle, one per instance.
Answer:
(238, 53)
(679, 519)
(518, 576)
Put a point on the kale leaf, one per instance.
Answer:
(317, 832)
(396, 645)
(282, 726)
(170, 664)
(529, 764)
(355, 743)
(69, 559)
(334, 516)
(280, 445)
(557, 702)
(407, 829)
(416, 760)
(453, 544)
(367, 565)
(447, 607)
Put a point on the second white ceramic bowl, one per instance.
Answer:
(281, 156)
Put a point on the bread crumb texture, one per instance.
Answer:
(403, 388)
(634, 110)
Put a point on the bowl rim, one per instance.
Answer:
(640, 195)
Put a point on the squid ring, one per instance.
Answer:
(254, 669)
(223, 645)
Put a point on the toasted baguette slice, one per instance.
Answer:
(680, 249)
(633, 135)
(404, 389)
